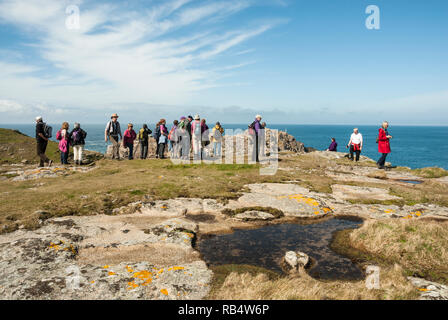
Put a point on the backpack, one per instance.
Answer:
(217, 135)
(143, 134)
(252, 128)
(77, 136)
(196, 128)
(157, 132)
(172, 134)
(48, 131)
(58, 135)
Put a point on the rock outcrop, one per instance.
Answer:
(286, 142)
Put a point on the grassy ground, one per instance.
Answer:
(247, 285)
(15, 147)
(419, 246)
(114, 184)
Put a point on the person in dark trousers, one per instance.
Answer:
(143, 138)
(113, 132)
(42, 142)
(156, 136)
(383, 144)
(333, 146)
(128, 140)
(355, 144)
(163, 138)
(63, 136)
(255, 129)
(188, 128)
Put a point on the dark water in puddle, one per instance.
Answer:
(266, 246)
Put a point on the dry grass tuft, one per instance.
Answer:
(393, 283)
(419, 246)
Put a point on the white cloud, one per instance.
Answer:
(119, 55)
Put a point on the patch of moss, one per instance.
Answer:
(431, 172)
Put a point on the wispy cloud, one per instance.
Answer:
(159, 55)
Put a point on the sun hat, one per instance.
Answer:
(258, 116)
(38, 118)
(183, 118)
(114, 116)
(196, 117)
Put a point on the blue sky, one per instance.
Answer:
(292, 61)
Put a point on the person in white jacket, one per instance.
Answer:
(355, 144)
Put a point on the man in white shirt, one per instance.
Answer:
(355, 144)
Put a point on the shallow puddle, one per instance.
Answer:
(411, 181)
(266, 246)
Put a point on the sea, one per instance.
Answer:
(412, 146)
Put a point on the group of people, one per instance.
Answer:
(355, 144)
(194, 129)
(186, 134)
(75, 138)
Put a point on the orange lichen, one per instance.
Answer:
(132, 285)
(106, 266)
(164, 291)
(111, 273)
(302, 199)
(422, 289)
(129, 269)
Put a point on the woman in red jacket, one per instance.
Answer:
(383, 144)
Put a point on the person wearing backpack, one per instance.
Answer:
(383, 144)
(77, 138)
(156, 136)
(143, 137)
(173, 140)
(217, 133)
(162, 140)
(183, 138)
(64, 142)
(113, 133)
(128, 140)
(43, 134)
(196, 137)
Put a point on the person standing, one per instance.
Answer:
(143, 138)
(183, 138)
(255, 130)
(205, 140)
(128, 140)
(196, 137)
(113, 133)
(383, 144)
(173, 139)
(188, 127)
(64, 142)
(217, 133)
(163, 137)
(77, 138)
(355, 144)
(42, 142)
